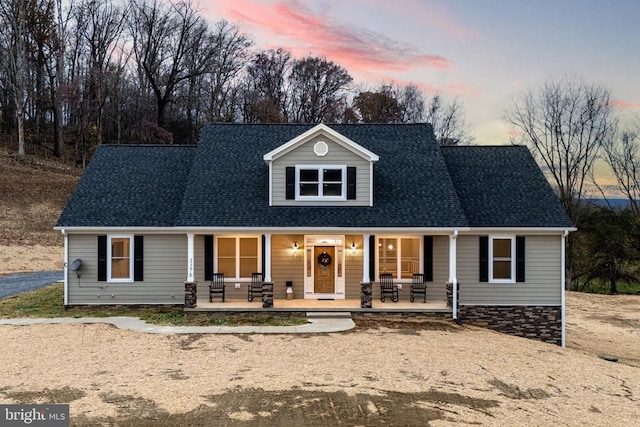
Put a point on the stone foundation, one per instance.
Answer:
(401, 315)
(366, 295)
(543, 323)
(190, 294)
(267, 295)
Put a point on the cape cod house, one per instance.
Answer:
(322, 213)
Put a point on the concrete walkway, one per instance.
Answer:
(318, 323)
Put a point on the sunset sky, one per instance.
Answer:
(484, 51)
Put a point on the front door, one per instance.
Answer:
(325, 279)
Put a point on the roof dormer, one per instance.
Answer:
(320, 167)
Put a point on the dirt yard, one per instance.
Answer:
(381, 373)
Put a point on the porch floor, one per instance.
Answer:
(351, 305)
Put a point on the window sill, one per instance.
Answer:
(502, 282)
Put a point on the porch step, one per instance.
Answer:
(328, 315)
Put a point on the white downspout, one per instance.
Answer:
(453, 273)
(562, 283)
(66, 267)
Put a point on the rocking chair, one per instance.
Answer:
(255, 287)
(216, 287)
(387, 287)
(418, 287)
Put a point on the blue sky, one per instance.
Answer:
(484, 51)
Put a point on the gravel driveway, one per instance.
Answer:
(22, 282)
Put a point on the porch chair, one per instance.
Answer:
(255, 287)
(216, 286)
(387, 287)
(418, 287)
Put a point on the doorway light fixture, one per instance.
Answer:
(353, 248)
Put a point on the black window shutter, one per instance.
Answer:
(138, 258)
(484, 258)
(519, 258)
(208, 257)
(428, 258)
(372, 258)
(351, 183)
(291, 183)
(102, 258)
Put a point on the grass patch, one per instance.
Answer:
(49, 302)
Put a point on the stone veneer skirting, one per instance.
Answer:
(190, 294)
(542, 323)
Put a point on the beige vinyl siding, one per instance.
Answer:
(164, 273)
(353, 267)
(437, 290)
(285, 266)
(304, 155)
(542, 274)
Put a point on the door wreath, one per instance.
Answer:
(324, 259)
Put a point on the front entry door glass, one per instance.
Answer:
(325, 264)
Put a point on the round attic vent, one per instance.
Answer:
(321, 148)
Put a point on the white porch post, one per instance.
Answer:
(267, 258)
(66, 268)
(365, 258)
(453, 273)
(190, 267)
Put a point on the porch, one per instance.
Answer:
(310, 305)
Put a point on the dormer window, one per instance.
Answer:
(320, 167)
(321, 182)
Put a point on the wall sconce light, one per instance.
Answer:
(295, 248)
(353, 248)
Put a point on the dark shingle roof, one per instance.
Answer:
(502, 186)
(130, 186)
(228, 185)
(224, 182)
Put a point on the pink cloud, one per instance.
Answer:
(308, 32)
(625, 104)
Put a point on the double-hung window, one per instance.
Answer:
(399, 256)
(237, 257)
(320, 182)
(502, 265)
(120, 258)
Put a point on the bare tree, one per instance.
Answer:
(565, 123)
(228, 53)
(413, 104)
(163, 36)
(265, 86)
(448, 121)
(99, 25)
(622, 154)
(13, 35)
(317, 89)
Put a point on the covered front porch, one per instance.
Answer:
(321, 272)
(309, 305)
